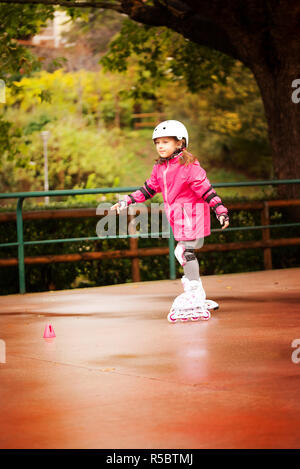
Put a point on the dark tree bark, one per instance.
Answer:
(263, 34)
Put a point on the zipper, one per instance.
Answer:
(165, 182)
(166, 187)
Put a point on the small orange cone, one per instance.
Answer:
(49, 332)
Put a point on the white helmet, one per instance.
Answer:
(171, 129)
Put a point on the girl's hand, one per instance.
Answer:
(119, 206)
(224, 221)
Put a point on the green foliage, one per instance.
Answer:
(17, 22)
(4, 135)
(93, 28)
(227, 124)
(162, 56)
(85, 147)
(84, 115)
(20, 22)
(222, 107)
(36, 126)
(87, 112)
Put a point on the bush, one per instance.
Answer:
(113, 271)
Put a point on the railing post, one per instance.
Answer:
(133, 244)
(172, 261)
(21, 263)
(265, 220)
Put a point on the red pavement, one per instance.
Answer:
(118, 375)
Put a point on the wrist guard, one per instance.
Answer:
(226, 217)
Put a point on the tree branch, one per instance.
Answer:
(116, 6)
(192, 24)
(196, 23)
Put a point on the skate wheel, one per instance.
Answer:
(170, 317)
(206, 316)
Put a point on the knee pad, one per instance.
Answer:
(189, 254)
(183, 254)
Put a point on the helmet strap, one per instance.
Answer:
(175, 153)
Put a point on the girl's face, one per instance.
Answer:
(165, 146)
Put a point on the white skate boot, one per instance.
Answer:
(209, 304)
(190, 304)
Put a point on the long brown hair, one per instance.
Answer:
(186, 157)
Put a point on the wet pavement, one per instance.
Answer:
(118, 375)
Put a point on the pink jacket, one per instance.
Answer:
(187, 194)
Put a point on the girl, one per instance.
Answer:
(188, 197)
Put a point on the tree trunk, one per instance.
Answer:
(283, 116)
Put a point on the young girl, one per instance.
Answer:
(188, 197)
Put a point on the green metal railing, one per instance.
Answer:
(21, 196)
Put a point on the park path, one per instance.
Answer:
(118, 375)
